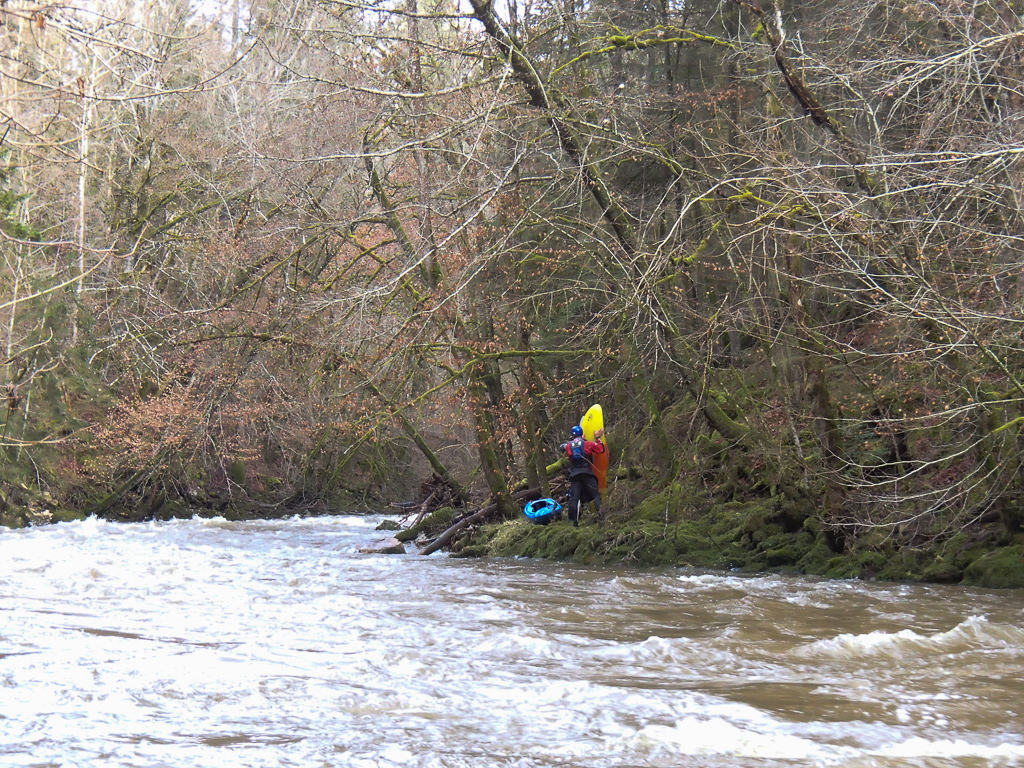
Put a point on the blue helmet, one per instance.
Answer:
(577, 431)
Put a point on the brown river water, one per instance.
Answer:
(208, 643)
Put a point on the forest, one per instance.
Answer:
(291, 257)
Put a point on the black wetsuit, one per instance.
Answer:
(582, 480)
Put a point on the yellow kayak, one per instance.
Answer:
(591, 422)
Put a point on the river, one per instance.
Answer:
(210, 643)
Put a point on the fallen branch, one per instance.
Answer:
(449, 534)
(425, 507)
(131, 483)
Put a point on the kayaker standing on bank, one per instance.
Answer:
(582, 480)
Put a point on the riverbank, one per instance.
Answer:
(770, 535)
(674, 526)
(747, 538)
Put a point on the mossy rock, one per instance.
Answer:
(817, 560)
(389, 525)
(240, 510)
(173, 510)
(756, 521)
(855, 565)
(789, 552)
(874, 541)
(670, 505)
(600, 543)
(640, 547)
(475, 550)
(61, 515)
(14, 517)
(1001, 569)
(921, 565)
(434, 524)
(770, 534)
(731, 521)
(735, 562)
(840, 567)
(906, 565)
(507, 538)
(942, 571)
(781, 533)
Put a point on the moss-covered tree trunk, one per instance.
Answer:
(488, 439)
(532, 394)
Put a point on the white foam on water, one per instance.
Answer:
(695, 736)
(714, 581)
(516, 644)
(973, 633)
(917, 748)
(653, 650)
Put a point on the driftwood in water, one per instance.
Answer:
(449, 534)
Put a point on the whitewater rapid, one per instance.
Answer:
(205, 642)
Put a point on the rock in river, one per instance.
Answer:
(388, 545)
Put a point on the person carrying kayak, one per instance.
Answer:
(582, 480)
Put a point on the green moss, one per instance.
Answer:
(730, 536)
(818, 558)
(14, 517)
(601, 543)
(790, 550)
(942, 571)
(677, 526)
(174, 511)
(855, 565)
(999, 569)
(967, 554)
(67, 515)
(906, 565)
(238, 473)
(667, 506)
(476, 550)
(434, 524)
